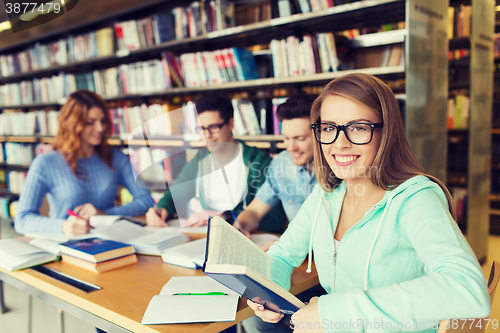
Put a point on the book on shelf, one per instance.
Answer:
(143, 240)
(100, 267)
(96, 249)
(252, 13)
(16, 254)
(236, 262)
(191, 299)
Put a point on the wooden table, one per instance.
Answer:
(120, 305)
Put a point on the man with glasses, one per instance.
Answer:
(220, 179)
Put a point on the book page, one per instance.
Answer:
(194, 284)
(15, 247)
(46, 245)
(103, 220)
(121, 231)
(228, 246)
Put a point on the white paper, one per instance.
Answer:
(167, 308)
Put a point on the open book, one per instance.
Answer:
(191, 299)
(16, 254)
(97, 221)
(239, 264)
(144, 241)
(192, 254)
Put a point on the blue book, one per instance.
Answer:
(236, 262)
(246, 67)
(96, 249)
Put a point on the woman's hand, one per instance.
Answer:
(74, 226)
(307, 319)
(88, 210)
(155, 220)
(266, 315)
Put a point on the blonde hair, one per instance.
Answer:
(394, 161)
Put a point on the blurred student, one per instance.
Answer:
(83, 173)
(290, 177)
(386, 247)
(209, 188)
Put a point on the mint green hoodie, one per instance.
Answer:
(403, 267)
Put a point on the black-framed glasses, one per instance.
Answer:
(212, 129)
(357, 133)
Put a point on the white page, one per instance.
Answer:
(47, 245)
(190, 309)
(15, 247)
(103, 220)
(194, 284)
(167, 308)
(157, 238)
(228, 246)
(60, 238)
(121, 231)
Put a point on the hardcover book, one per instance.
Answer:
(102, 266)
(236, 262)
(96, 249)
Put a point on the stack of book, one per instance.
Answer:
(98, 255)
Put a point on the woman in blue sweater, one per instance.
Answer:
(82, 173)
(386, 247)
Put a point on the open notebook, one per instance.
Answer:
(169, 308)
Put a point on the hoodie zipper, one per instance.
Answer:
(335, 252)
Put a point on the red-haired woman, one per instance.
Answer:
(82, 173)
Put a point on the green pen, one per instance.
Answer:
(213, 293)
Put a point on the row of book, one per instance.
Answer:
(45, 90)
(291, 7)
(43, 123)
(62, 52)
(380, 56)
(166, 166)
(293, 56)
(198, 18)
(156, 120)
(458, 54)
(353, 33)
(219, 66)
(192, 70)
(14, 181)
(458, 112)
(459, 22)
(16, 153)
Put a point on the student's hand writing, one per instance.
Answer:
(155, 220)
(308, 314)
(265, 314)
(87, 210)
(74, 226)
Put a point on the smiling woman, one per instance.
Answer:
(81, 174)
(386, 247)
